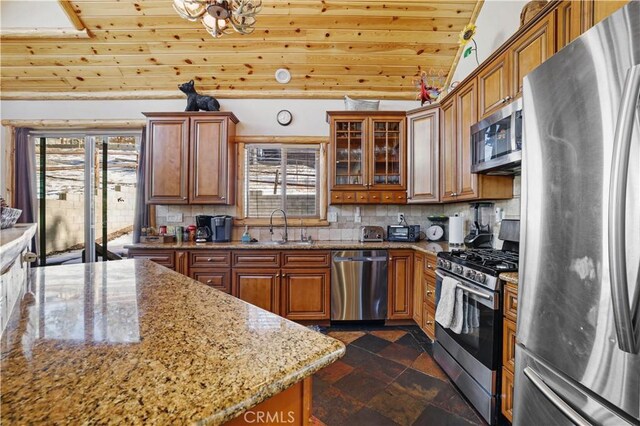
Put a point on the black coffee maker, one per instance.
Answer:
(204, 233)
(221, 228)
(480, 234)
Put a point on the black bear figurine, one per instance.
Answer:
(196, 102)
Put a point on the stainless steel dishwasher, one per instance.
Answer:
(359, 285)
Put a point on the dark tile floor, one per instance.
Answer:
(387, 377)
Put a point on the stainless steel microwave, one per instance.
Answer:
(496, 142)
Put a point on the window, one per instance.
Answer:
(279, 176)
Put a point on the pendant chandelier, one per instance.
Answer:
(221, 16)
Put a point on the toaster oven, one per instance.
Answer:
(409, 233)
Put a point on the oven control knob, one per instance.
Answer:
(480, 277)
(457, 269)
(469, 273)
(440, 263)
(447, 264)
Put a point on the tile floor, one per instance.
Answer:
(387, 377)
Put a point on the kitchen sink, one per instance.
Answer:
(292, 243)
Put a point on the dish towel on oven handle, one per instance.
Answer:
(471, 315)
(449, 312)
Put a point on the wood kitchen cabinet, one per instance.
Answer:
(423, 147)
(190, 158)
(508, 348)
(429, 294)
(457, 182)
(530, 50)
(260, 287)
(305, 294)
(569, 22)
(494, 86)
(400, 289)
(418, 287)
(299, 290)
(595, 11)
(367, 157)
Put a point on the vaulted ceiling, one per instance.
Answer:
(142, 48)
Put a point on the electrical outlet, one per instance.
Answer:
(357, 219)
(332, 217)
(174, 218)
(400, 217)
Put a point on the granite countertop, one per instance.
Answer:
(510, 277)
(13, 240)
(132, 342)
(424, 246)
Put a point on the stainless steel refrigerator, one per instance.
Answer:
(578, 331)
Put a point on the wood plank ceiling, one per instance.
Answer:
(142, 48)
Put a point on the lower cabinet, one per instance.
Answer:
(305, 294)
(508, 348)
(418, 287)
(260, 287)
(400, 280)
(429, 296)
(218, 278)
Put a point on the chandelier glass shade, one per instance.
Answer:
(221, 16)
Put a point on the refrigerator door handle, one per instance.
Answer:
(622, 315)
(539, 383)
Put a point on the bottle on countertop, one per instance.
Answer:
(246, 237)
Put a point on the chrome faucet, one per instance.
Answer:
(285, 237)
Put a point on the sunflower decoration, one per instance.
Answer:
(427, 84)
(466, 35)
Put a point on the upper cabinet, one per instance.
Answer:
(190, 158)
(423, 155)
(494, 87)
(530, 50)
(459, 113)
(569, 22)
(367, 157)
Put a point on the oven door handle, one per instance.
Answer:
(468, 289)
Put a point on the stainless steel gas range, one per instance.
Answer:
(472, 358)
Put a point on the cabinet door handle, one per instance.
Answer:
(209, 281)
(429, 292)
(222, 198)
(429, 266)
(184, 198)
(209, 259)
(429, 322)
(277, 275)
(284, 275)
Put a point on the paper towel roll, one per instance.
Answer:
(456, 230)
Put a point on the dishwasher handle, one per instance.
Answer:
(360, 259)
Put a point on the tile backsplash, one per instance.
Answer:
(346, 228)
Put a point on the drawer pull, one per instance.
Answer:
(429, 266)
(209, 281)
(284, 275)
(429, 322)
(429, 292)
(209, 259)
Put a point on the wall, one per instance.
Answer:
(490, 36)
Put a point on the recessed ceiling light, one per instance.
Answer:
(283, 76)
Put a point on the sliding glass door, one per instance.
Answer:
(86, 194)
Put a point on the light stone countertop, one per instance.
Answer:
(133, 342)
(423, 246)
(510, 277)
(13, 240)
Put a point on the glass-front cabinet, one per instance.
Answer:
(367, 157)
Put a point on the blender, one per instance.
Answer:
(480, 234)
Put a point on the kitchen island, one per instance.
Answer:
(133, 342)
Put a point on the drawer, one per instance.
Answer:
(429, 320)
(207, 258)
(387, 197)
(336, 197)
(507, 394)
(256, 259)
(374, 197)
(306, 259)
(511, 301)
(362, 197)
(348, 197)
(509, 345)
(218, 278)
(430, 293)
(161, 257)
(430, 265)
